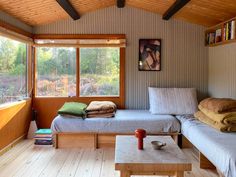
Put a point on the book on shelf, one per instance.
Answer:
(224, 32)
(232, 29)
(43, 137)
(211, 38)
(229, 30)
(43, 142)
(218, 35)
(44, 131)
(221, 33)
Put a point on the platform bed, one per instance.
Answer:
(93, 140)
(215, 149)
(101, 132)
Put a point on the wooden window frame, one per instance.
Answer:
(28, 72)
(119, 100)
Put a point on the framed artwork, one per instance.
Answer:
(149, 55)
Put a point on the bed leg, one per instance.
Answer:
(175, 138)
(55, 142)
(95, 141)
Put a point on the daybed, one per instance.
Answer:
(219, 148)
(97, 132)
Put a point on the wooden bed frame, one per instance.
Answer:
(93, 140)
(204, 163)
(102, 140)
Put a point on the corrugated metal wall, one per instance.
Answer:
(184, 57)
(15, 22)
(222, 71)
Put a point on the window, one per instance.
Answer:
(13, 70)
(85, 66)
(99, 71)
(56, 71)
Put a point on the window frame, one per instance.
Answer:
(27, 71)
(35, 78)
(119, 100)
(12, 32)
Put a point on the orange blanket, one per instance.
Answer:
(215, 124)
(219, 105)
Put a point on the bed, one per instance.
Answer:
(98, 132)
(218, 147)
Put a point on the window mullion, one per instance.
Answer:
(77, 72)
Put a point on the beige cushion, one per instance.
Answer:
(172, 100)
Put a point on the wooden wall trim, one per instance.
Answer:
(122, 78)
(9, 111)
(77, 72)
(79, 36)
(15, 29)
(30, 85)
(17, 126)
(11, 145)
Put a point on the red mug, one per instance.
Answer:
(140, 134)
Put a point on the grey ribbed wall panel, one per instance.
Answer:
(15, 22)
(222, 71)
(184, 57)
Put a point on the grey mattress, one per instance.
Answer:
(125, 121)
(218, 147)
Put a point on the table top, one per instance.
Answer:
(127, 152)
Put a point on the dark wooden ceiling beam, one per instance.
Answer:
(120, 3)
(179, 4)
(70, 10)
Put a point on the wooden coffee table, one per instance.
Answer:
(131, 161)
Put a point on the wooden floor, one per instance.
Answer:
(27, 160)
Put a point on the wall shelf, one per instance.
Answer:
(222, 33)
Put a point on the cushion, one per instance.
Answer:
(73, 109)
(172, 100)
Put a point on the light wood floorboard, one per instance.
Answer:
(28, 160)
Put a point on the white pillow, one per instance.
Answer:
(172, 100)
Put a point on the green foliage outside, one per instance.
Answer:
(56, 71)
(56, 61)
(12, 70)
(99, 71)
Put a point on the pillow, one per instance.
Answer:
(172, 100)
(73, 109)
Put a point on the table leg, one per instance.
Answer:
(124, 174)
(179, 174)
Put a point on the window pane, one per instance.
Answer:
(56, 68)
(13, 61)
(99, 71)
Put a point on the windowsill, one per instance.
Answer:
(99, 96)
(11, 104)
(78, 97)
(54, 96)
(9, 110)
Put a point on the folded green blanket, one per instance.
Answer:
(74, 109)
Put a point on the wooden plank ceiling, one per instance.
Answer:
(39, 12)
